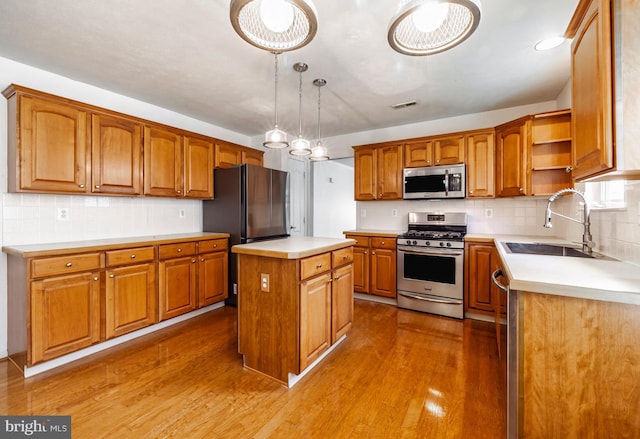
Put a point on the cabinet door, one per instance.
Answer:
(227, 155)
(418, 153)
(198, 168)
(448, 150)
(361, 269)
(511, 141)
(65, 315)
(383, 272)
(252, 157)
(365, 174)
(591, 93)
(478, 284)
(315, 318)
(53, 147)
(212, 278)
(162, 162)
(177, 286)
(341, 302)
(389, 175)
(130, 294)
(116, 151)
(480, 170)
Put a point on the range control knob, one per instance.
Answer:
(415, 242)
(428, 243)
(441, 244)
(448, 244)
(408, 242)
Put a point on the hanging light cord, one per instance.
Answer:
(319, 87)
(300, 107)
(276, 89)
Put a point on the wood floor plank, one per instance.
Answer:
(398, 374)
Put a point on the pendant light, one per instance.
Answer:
(300, 146)
(274, 25)
(426, 27)
(276, 138)
(319, 151)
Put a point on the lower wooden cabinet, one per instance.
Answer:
(315, 318)
(177, 279)
(341, 302)
(374, 264)
(481, 260)
(213, 260)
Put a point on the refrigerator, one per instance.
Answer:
(251, 204)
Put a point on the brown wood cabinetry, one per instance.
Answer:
(315, 317)
(228, 154)
(116, 155)
(512, 139)
(480, 147)
(177, 279)
(130, 290)
(434, 151)
(213, 260)
(550, 152)
(378, 172)
(481, 260)
(374, 264)
(198, 167)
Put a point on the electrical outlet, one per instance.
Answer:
(488, 213)
(63, 214)
(181, 213)
(394, 212)
(363, 213)
(264, 282)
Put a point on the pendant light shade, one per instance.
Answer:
(319, 152)
(274, 25)
(300, 146)
(426, 27)
(275, 138)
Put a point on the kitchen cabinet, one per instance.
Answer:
(512, 139)
(116, 155)
(378, 172)
(313, 292)
(480, 261)
(605, 89)
(130, 290)
(432, 151)
(198, 167)
(480, 154)
(49, 143)
(374, 263)
(228, 154)
(212, 271)
(550, 152)
(177, 279)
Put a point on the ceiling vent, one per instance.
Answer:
(404, 105)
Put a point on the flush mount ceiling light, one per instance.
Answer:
(319, 151)
(274, 25)
(276, 138)
(549, 43)
(300, 146)
(426, 27)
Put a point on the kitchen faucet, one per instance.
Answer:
(587, 243)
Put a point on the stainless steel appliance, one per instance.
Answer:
(250, 203)
(431, 262)
(434, 182)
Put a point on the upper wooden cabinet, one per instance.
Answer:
(49, 144)
(228, 154)
(550, 152)
(434, 151)
(604, 75)
(378, 172)
(198, 167)
(480, 152)
(116, 155)
(512, 139)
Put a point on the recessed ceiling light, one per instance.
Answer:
(549, 43)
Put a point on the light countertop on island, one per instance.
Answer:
(375, 232)
(605, 279)
(292, 247)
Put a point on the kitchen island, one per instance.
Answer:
(573, 343)
(295, 303)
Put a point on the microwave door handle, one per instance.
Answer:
(446, 182)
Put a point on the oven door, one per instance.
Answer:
(434, 272)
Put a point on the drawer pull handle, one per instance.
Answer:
(193, 261)
(133, 256)
(202, 260)
(81, 186)
(215, 245)
(96, 278)
(97, 186)
(319, 265)
(179, 250)
(381, 242)
(69, 264)
(112, 276)
(345, 257)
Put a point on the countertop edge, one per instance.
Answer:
(270, 248)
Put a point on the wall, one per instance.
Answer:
(334, 209)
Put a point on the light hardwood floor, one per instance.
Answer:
(399, 374)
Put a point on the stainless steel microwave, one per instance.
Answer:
(434, 182)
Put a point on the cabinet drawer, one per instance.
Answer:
(213, 245)
(66, 264)
(362, 241)
(383, 242)
(175, 250)
(315, 265)
(130, 256)
(342, 256)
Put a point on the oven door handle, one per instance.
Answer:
(446, 182)
(443, 252)
(430, 299)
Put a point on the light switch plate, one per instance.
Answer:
(264, 282)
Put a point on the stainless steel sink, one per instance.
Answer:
(546, 249)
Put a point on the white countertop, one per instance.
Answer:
(599, 279)
(293, 247)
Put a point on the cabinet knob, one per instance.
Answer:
(178, 192)
(336, 278)
(112, 276)
(69, 264)
(215, 245)
(179, 250)
(133, 256)
(345, 257)
(437, 161)
(97, 186)
(330, 280)
(373, 252)
(520, 190)
(381, 242)
(193, 261)
(202, 260)
(96, 278)
(319, 266)
(471, 192)
(569, 169)
(81, 186)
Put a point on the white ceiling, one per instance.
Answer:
(185, 56)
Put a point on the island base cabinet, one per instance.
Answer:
(578, 362)
(342, 302)
(315, 318)
(65, 315)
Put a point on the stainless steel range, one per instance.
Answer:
(431, 263)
